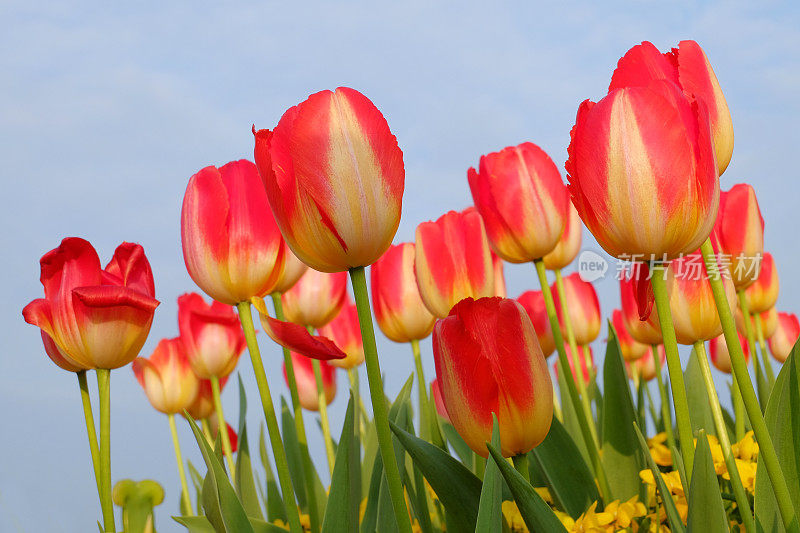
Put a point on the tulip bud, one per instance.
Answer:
(642, 172)
(334, 175)
(453, 261)
(398, 307)
(231, 245)
(489, 361)
(212, 335)
(568, 245)
(739, 233)
(203, 405)
(307, 384)
(720, 357)
(785, 336)
(645, 366)
(499, 276)
(583, 308)
(769, 322)
(293, 269)
(167, 377)
(533, 303)
(438, 401)
(585, 371)
(345, 331)
(647, 331)
(316, 298)
(630, 348)
(763, 293)
(519, 193)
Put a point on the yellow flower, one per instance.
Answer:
(544, 493)
(660, 452)
(747, 472)
(746, 449)
(617, 516)
(513, 517)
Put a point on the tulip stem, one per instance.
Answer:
(761, 384)
(424, 413)
(322, 404)
(666, 411)
(355, 388)
(521, 464)
(767, 453)
(104, 391)
(573, 345)
(279, 452)
(585, 418)
(764, 354)
(679, 399)
(90, 428)
(187, 501)
(299, 425)
(379, 409)
(222, 427)
(738, 410)
(724, 441)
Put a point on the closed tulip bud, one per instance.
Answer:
(645, 366)
(167, 377)
(763, 293)
(631, 349)
(489, 361)
(499, 276)
(694, 313)
(688, 67)
(453, 261)
(203, 405)
(334, 175)
(647, 331)
(533, 303)
(438, 401)
(568, 245)
(399, 310)
(585, 371)
(739, 233)
(307, 384)
(316, 298)
(96, 318)
(642, 172)
(583, 308)
(769, 321)
(293, 269)
(212, 335)
(345, 331)
(721, 357)
(785, 336)
(519, 193)
(232, 247)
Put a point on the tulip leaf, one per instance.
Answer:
(461, 449)
(242, 405)
(706, 512)
(274, 504)
(292, 447)
(197, 481)
(341, 513)
(538, 516)
(566, 474)
(570, 416)
(696, 394)
(200, 524)
(673, 517)
(490, 515)
(245, 482)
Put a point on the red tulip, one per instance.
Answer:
(438, 401)
(203, 405)
(60, 358)
(688, 67)
(96, 318)
(642, 172)
(720, 357)
(293, 269)
(631, 348)
(739, 232)
(519, 193)
(489, 361)
(585, 371)
(785, 336)
(453, 261)
(769, 322)
(167, 377)
(583, 308)
(334, 175)
(345, 331)
(399, 310)
(212, 335)
(533, 303)
(568, 245)
(307, 384)
(316, 298)
(647, 331)
(645, 366)
(763, 293)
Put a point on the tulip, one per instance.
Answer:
(306, 384)
(718, 351)
(212, 336)
(167, 377)
(95, 318)
(647, 331)
(519, 193)
(453, 261)
(645, 367)
(585, 371)
(293, 269)
(499, 276)
(630, 348)
(769, 322)
(399, 310)
(438, 401)
(568, 245)
(642, 173)
(334, 175)
(739, 232)
(763, 293)
(688, 67)
(785, 336)
(583, 308)
(203, 405)
(55, 354)
(345, 331)
(488, 360)
(315, 299)
(694, 313)
(231, 245)
(533, 303)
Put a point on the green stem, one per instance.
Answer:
(651, 405)
(207, 431)
(724, 441)
(761, 384)
(379, 409)
(322, 405)
(90, 428)
(738, 410)
(424, 413)
(764, 353)
(187, 501)
(222, 427)
(104, 391)
(279, 452)
(299, 425)
(679, 399)
(585, 419)
(767, 453)
(355, 388)
(666, 411)
(521, 464)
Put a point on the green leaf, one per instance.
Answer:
(570, 416)
(490, 515)
(342, 511)
(242, 404)
(275, 507)
(706, 512)
(538, 516)
(567, 476)
(699, 407)
(197, 481)
(673, 518)
(370, 518)
(461, 448)
(292, 446)
(245, 482)
(200, 524)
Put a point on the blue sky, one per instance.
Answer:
(106, 109)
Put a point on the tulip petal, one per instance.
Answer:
(131, 267)
(642, 64)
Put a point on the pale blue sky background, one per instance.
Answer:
(106, 109)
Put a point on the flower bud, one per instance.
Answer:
(167, 377)
(720, 357)
(763, 293)
(631, 349)
(785, 336)
(211, 334)
(739, 234)
(583, 308)
(345, 331)
(316, 298)
(533, 303)
(645, 366)
(568, 245)
(307, 384)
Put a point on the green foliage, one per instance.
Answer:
(706, 512)
(490, 516)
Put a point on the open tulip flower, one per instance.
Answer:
(346, 333)
(568, 245)
(739, 234)
(533, 303)
(784, 337)
(763, 293)
(212, 336)
(316, 298)
(583, 308)
(167, 377)
(720, 357)
(630, 348)
(306, 384)
(645, 366)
